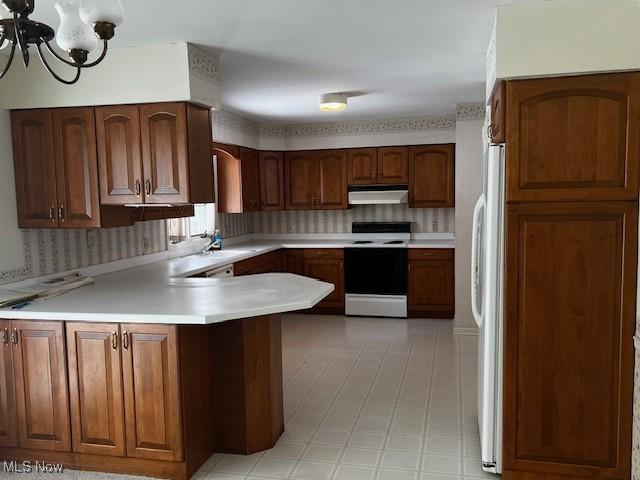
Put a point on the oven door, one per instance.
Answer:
(376, 271)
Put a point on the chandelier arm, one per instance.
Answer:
(100, 58)
(55, 54)
(9, 61)
(56, 76)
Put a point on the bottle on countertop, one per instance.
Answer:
(217, 240)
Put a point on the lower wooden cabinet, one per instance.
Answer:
(431, 283)
(327, 265)
(293, 261)
(41, 385)
(95, 388)
(267, 263)
(8, 409)
(151, 391)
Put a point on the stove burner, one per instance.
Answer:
(394, 242)
(362, 242)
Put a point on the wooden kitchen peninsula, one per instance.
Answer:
(147, 397)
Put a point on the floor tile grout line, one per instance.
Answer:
(434, 358)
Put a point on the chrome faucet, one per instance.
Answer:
(207, 247)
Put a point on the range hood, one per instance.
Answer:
(378, 194)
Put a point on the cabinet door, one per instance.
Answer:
(332, 186)
(163, 134)
(76, 167)
(151, 391)
(271, 181)
(35, 168)
(393, 165)
(250, 179)
(301, 179)
(570, 318)
(362, 166)
(292, 262)
(119, 160)
(573, 138)
(431, 176)
(431, 286)
(42, 395)
(95, 388)
(324, 265)
(8, 412)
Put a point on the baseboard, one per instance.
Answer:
(468, 331)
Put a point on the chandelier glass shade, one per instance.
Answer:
(83, 25)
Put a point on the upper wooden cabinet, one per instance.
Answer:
(155, 153)
(250, 179)
(363, 166)
(393, 166)
(569, 324)
(271, 166)
(387, 165)
(301, 177)
(35, 168)
(56, 169)
(432, 176)
(238, 179)
(119, 154)
(74, 132)
(331, 189)
(316, 180)
(573, 138)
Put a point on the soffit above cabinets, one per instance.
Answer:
(151, 74)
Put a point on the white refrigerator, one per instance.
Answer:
(487, 277)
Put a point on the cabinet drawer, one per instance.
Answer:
(431, 254)
(334, 253)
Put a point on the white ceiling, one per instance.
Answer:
(399, 58)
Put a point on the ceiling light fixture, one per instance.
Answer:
(81, 25)
(333, 102)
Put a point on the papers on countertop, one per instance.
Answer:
(45, 290)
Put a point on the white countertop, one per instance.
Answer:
(161, 292)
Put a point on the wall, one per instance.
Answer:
(469, 185)
(423, 220)
(162, 73)
(566, 36)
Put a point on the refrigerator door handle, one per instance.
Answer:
(475, 257)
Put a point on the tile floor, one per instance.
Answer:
(371, 399)
(366, 399)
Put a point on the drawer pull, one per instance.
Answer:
(125, 340)
(14, 337)
(114, 340)
(5, 336)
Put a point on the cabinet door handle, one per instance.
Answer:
(61, 213)
(14, 337)
(125, 340)
(147, 186)
(52, 213)
(5, 336)
(114, 340)
(138, 188)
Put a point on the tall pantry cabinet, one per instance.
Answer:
(571, 240)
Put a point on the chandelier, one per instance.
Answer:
(82, 25)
